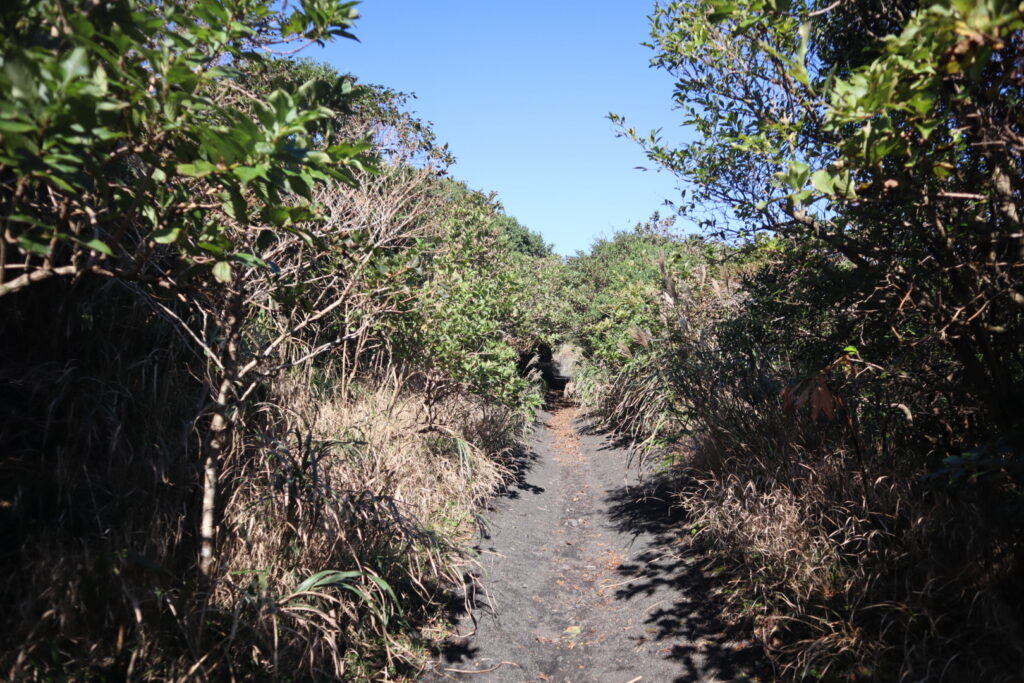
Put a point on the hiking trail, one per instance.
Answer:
(583, 576)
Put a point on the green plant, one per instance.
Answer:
(467, 325)
(211, 257)
(865, 155)
(123, 132)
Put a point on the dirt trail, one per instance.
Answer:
(584, 578)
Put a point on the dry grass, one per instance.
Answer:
(342, 514)
(874, 580)
(853, 567)
(99, 408)
(852, 557)
(367, 489)
(632, 401)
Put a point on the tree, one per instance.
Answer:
(893, 160)
(870, 373)
(131, 149)
(122, 146)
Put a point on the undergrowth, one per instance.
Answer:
(345, 506)
(857, 546)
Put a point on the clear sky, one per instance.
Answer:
(521, 91)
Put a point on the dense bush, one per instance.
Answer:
(256, 373)
(260, 353)
(621, 300)
(855, 405)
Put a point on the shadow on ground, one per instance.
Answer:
(614, 440)
(518, 463)
(691, 619)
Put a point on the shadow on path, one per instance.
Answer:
(614, 440)
(691, 616)
(519, 463)
(585, 576)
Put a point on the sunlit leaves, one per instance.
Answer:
(905, 86)
(222, 271)
(471, 293)
(132, 116)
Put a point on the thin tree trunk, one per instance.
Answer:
(219, 443)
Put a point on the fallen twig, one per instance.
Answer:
(483, 671)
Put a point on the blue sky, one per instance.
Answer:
(521, 92)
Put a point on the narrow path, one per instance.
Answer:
(584, 578)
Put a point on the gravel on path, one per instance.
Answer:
(583, 576)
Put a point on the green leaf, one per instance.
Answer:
(247, 173)
(822, 181)
(235, 206)
(30, 245)
(801, 171)
(384, 586)
(250, 260)
(167, 235)
(802, 196)
(98, 245)
(923, 103)
(80, 24)
(75, 65)
(941, 171)
(27, 219)
(327, 577)
(99, 77)
(796, 175)
(367, 600)
(61, 183)
(198, 169)
(843, 185)
(222, 271)
(926, 128)
(277, 215)
(720, 11)
(805, 35)
(9, 126)
(215, 245)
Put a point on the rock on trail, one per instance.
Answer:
(583, 577)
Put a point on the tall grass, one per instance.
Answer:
(857, 547)
(631, 400)
(850, 571)
(99, 410)
(343, 509)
